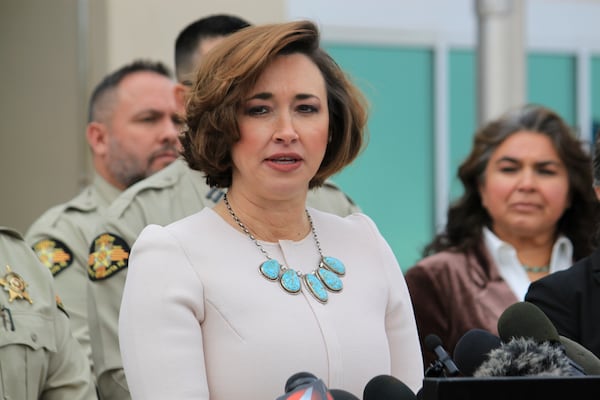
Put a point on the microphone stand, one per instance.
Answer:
(435, 370)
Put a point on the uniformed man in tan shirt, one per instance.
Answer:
(133, 128)
(39, 357)
(171, 194)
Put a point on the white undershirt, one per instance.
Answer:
(511, 270)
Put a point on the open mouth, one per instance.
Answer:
(283, 160)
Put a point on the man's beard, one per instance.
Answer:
(129, 171)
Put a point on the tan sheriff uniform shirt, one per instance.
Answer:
(39, 357)
(169, 195)
(61, 238)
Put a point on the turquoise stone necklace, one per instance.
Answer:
(326, 277)
(536, 269)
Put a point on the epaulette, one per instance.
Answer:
(83, 202)
(11, 232)
(330, 185)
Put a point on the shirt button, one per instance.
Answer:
(34, 337)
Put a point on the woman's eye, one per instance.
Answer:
(258, 110)
(508, 169)
(307, 108)
(547, 172)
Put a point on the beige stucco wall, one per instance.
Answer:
(53, 52)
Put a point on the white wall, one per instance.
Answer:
(147, 28)
(550, 23)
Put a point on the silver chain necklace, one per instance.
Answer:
(325, 277)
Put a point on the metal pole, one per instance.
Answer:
(501, 57)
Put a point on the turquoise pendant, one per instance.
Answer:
(334, 265)
(330, 280)
(270, 269)
(316, 287)
(290, 281)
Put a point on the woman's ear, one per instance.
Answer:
(482, 196)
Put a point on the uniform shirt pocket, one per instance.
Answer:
(24, 354)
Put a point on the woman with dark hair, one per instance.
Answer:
(527, 210)
(232, 301)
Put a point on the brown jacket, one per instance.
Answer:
(452, 293)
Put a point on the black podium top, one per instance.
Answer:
(511, 388)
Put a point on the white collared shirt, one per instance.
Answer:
(511, 270)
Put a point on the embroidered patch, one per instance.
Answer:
(15, 285)
(54, 254)
(109, 254)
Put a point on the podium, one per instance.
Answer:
(511, 388)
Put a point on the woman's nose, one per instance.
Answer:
(285, 130)
(527, 180)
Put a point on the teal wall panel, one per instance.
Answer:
(462, 80)
(551, 82)
(392, 179)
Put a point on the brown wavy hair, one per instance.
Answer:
(230, 71)
(466, 216)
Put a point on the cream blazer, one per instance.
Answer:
(198, 320)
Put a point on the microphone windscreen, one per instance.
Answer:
(473, 348)
(313, 390)
(299, 379)
(339, 394)
(525, 357)
(384, 387)
(432, 341)
(582, 356)
(526, 320)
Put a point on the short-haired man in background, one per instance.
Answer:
(133, 127)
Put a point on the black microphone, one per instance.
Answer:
(525, 357)
(581, 355)
(305, 384)
(387, 387)
(443, 363)
(523, 319)
(473, 348)
(526, 320)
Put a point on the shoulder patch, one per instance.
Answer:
(109, 254)
(54, 254)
